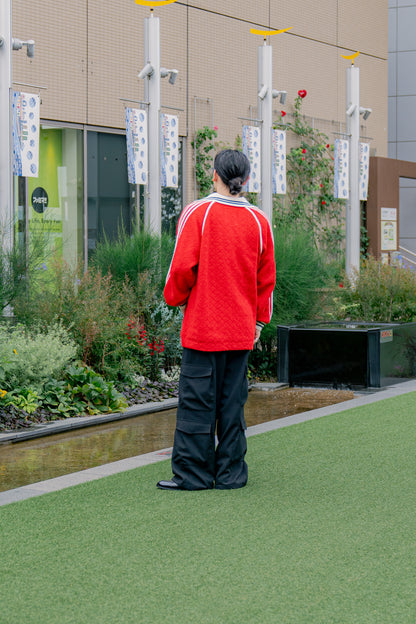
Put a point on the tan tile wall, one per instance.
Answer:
(88, 54)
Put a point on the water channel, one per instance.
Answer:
(23, 463)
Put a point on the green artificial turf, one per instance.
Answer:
(325, 532)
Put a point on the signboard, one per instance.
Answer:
(136, 138)
(341, 169)
(25, 130)
(279, 162)
(388, 235)
(169, 151)
(388, 229)
(252, 149)
(364, 165)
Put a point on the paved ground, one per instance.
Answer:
(59, 483)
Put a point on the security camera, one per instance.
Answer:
(365, 112)
(172, 73)
(30, 48)
(263, 92)
(17, 44)
(350, 110)
(173, 76)
(147, 71)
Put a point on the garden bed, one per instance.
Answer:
(12, 418)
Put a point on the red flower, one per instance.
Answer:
(327, 144)
(304, 151)
(341, 285)
(302, 93)
(303, 157)
(215, 128)
(323, 202)
(322, 186)
(283, 114)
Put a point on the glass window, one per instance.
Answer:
(52, 203)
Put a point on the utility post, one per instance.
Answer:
(265, 95)
(6, 211)
(353, 209)
(353, 215)
(151, 74)
(152, 206)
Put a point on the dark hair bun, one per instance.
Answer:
(235, 185)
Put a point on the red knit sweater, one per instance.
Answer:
(223, 268)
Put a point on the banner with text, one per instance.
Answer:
(279, 162)
(364, 168)
(341, 169)
(252, 149)
(136, 138)
(25, 131)
(169, 151)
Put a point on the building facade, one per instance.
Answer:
(87, 57)
(402, 114)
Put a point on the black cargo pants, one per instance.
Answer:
(213, 389)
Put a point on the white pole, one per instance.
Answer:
(6, 207)
(153, 218)
(265, 114)
(353, 214)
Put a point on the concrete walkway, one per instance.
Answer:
(83, 476)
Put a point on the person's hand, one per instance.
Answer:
(257, 332)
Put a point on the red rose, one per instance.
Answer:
(283, 114)
(323, 202)
(341, 285)
(304, 151)
(327, 144)
(302, 93)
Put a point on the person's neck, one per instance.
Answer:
(222, 189)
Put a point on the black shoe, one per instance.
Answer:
(168, 485)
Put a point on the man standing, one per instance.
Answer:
(222, 275)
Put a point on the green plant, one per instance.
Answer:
(93, 391)
(32, 355)
(20, 265)
(25, 399)
(204, 146)
(378, 293)
(309, 201)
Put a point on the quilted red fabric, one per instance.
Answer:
(223, 268)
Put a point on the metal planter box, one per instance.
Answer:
(349, 354)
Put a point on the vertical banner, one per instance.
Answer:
(251, 148)
(169, 151)
(136, 138)
(364, 168)
(25, 130)
(279, 162)
(341, 169)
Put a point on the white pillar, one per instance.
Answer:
(353, 214)
(265, 114)
(153, 217)
(6, 205)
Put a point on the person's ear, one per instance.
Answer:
(215, 176)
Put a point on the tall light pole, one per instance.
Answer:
(265, 96)
(353, 214)
(6, 212)
(151, 74)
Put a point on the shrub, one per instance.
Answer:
(30, 357)
(378, 293)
